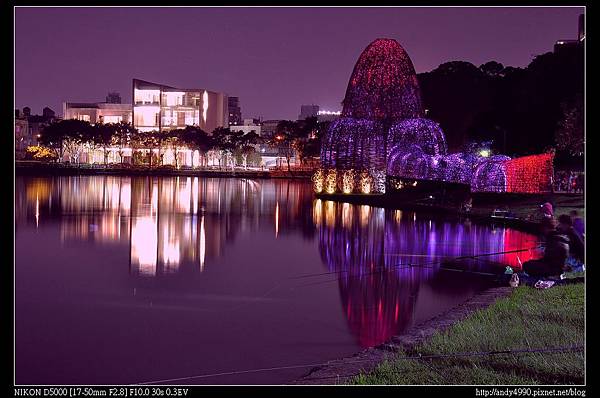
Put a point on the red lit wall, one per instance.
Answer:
(529, 174)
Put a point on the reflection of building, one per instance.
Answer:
(169, 224)
(163, 108)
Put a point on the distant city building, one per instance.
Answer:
(48, 113)
(247, 126)
(28, 128)
(113, 98)
(572, 44)
(23, 138)
(164, 108)
(581, 34)
(328, 116)
(307, 111)
(235, 112)
(98, 112)
(269, 128)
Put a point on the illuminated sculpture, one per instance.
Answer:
(383, 85)
(383, 89)
(382, 133)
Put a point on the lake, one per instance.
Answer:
(122, 280)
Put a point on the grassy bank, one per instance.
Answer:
(524, 206)
(529, 319)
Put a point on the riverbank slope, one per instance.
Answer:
(534, 336)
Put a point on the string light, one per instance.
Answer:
(383, 91)
(317, 179)
(331, 181)
(348, 181)
(383, 84)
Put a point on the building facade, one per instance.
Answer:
(28, 128)
(235, 112)
(98, 112)
(268, 128)
(247, 126)
(307, 111)
(163, 108)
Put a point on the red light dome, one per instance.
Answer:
(383, 84)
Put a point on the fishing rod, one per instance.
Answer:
(409, 265)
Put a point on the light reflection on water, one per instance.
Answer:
(202, 243)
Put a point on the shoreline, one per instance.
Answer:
(342, 370)
(63, 170)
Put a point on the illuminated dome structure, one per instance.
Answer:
(383, 85)
(382, 90)
(382, 132)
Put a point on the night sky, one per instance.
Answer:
(274, 59)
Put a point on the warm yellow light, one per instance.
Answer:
(330, 213)
(318, 181)
(330, 181)
(317, 211)
(366, 182)
(348, 181)
(347, 215)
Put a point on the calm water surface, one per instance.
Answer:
(139, 279)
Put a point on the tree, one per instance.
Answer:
(123, 137)
(66, 135)
(224, 142)
(569, 134)
(286, 139)
(102, 134)
(40, 153)
(492, 69)
(246, 146)
(196, 139)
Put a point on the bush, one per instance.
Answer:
(40, 153)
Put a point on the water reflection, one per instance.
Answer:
(383, 258)
(386, 262)
(167, 222)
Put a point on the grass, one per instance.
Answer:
(528, 319)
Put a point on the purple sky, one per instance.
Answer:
(274, 59)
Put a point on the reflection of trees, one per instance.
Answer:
(167, 221)
(382, 257)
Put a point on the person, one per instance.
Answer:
(579, 183)
(576, 245)
(553, 262)
(578, 224)
(547, 211)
